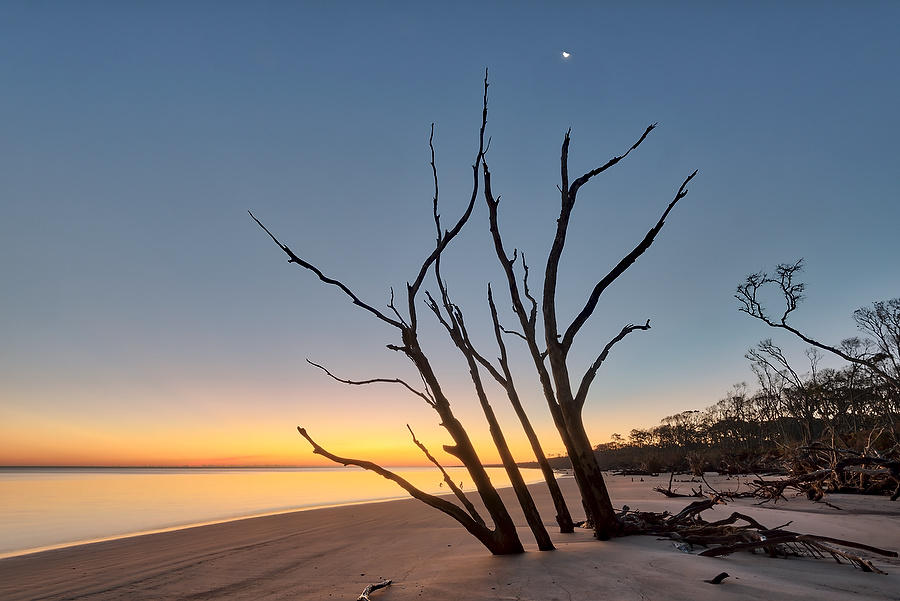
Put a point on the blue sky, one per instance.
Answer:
(137, 293)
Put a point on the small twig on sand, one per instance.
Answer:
(372, 588)
(718, 579)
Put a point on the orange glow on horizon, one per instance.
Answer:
(205, 430)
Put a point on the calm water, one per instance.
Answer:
(51, 507)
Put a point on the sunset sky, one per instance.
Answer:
(146, 320)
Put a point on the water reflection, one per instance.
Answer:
(50, 507)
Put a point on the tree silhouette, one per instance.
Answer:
(565, 400)
(881, 322)
(503, 538)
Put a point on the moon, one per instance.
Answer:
(566, 54)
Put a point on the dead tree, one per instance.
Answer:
(882, 321)
(503, 539)
(566, 402)
(452, 320)
(563, 517)
(450, 316)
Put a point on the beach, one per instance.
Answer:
(335, 552)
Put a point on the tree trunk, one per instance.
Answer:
(563, 517)
(591, 483)
(456, 328)
(505, 529)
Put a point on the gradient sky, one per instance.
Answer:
(144, 319)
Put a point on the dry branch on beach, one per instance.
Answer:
(729, 536)
(364, 596)
(818, 470)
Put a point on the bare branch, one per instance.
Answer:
(478, 530)
(393, 308)
(747, 296)
(506, 381)
(514, 333)
(444, 239)
(591, 373)
(573, 190)
(293, 258)
(436, 309)
(456, 327)
(456, 489)
(437, 217)
(784, 279)
(425, 397)
(621, 267)
(532, 314)
(526, 319)
(567, 194)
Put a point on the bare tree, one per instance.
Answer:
(503, 539)
(566, 402)
(565, 399)
(801, 399)
(881, 321)
(451, 317)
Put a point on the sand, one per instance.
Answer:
(336, 552)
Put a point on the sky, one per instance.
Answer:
(146, 320)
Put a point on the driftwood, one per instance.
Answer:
(718, 579)
(819, 470)
(802, 544)
(740, 532)
(364, 596)
(635, 472)
(672, 494)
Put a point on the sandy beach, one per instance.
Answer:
(336, 552)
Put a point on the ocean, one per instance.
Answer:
(46, 508)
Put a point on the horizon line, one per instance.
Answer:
(208, 466)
